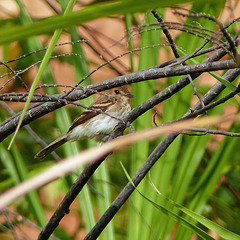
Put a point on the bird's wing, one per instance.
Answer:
(95, 109)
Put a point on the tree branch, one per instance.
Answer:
(63, 207)
(38, 110)
(151, 160)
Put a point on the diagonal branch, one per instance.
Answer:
(151, 160)
(63, 207)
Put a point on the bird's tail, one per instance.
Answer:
(51, 147)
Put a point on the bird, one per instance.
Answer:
(98, 121)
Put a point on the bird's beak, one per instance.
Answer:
(129, 95)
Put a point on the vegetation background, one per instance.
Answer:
(201, 173)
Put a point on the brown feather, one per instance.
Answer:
(85, 116)
(51, 147)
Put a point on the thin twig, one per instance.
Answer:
(30, 131)
(211, 18)
(176, 54)
(15, 75)
(205, 131)
(167, 33)
(25, 220)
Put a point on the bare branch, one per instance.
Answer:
(148, 164)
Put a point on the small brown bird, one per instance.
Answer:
(98, 122)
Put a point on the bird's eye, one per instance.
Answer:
(117, 91)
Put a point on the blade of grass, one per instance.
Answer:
(128, 25)
(222, 232)
(210, 178)
(224, 81)
(217, 76)
(104, 197)
(148, 57)
(164, 210)
(180, 104)
(32, 197)
(14, 163)
(63, 121)
(42, 67)
(87, 14)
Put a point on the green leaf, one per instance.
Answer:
(224, 81)
(43, 66)
(87, 14)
